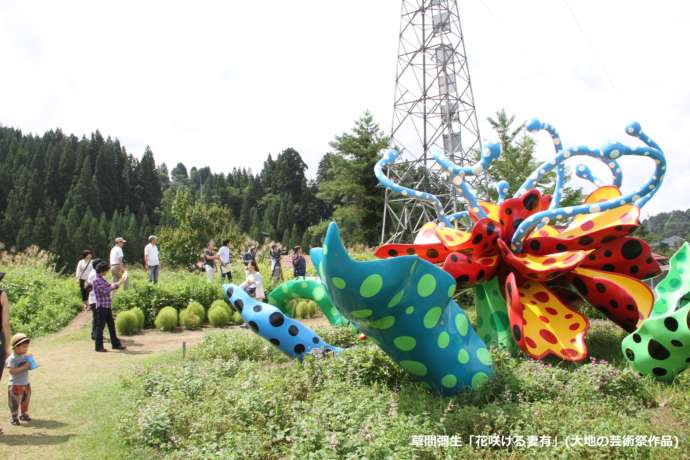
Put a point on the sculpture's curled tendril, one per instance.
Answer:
(502, 189)
(389, 158)
(456, 174)
(610, 152)
(583, 172)
(458, 216)
(536, 125)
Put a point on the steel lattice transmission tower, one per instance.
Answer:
(433, 106)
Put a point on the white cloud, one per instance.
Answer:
(225, 83)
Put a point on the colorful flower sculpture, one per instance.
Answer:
(530, 261)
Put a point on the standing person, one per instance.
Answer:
(254, 282)
(248, 256)
(104, 311)
(117, 261)
(5, 325)
(92, 296)
(299, 263)
(210, 258)
(276, 269)
(18, 387)
(225, 261)
(151, 260)
(84, 267)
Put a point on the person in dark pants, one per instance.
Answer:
(299, 263)
(104, 311)
(92, 297)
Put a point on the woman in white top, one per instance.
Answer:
(254, 282)
(84, 267)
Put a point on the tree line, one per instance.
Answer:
(65, 193)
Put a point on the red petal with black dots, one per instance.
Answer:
(545, 202)
(467, 270)
(515, 210)
(515, 312)
(541, 245)
(434, 253)
(482, 241)
(630, 256)
(541, 268)
(625, 303)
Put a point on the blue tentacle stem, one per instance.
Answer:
(388, 159)
(456, 174)
(583, 172)
(611, 151)
(502, 189)
(536, 125)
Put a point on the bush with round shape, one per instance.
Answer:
(127, 323)
(237, 318)
(311, 307)
(198, 310)
(139, 313)
(166, 319)
(301, 310)
(189, 319)
(218, 316)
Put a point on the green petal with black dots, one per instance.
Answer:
(493, 324)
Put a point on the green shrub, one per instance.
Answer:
(127, 323)
(189, 319)
(222, 304)
(138, 312)
(237, 318)
(197, 309)
(218, 316)
(311, 308)
(166, 320)
(301, 310)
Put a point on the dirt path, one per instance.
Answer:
(69, 368)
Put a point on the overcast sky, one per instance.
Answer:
(225, 83)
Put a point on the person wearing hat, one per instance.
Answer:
(117, 261)
(19, 389)
(104, 306)
(299, 264)
(151, 259)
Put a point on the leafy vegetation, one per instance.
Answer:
(361, 404)
(127, 323)
(166, 319)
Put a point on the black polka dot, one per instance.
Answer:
(659, 371)
(530, 201)
(299, 348)
(591, 257)
(508, 211)
(276, 319)
(229, 292)
(631, 307)
(657, 350)
(454, 258)
(432, 253)
(462, 279)
(600, 287)
(516, 333)
(613, 304)
(254, 326)
(510, 289)
(634, 269)
(676, 343)
(580, 285)
(275, 342)
(619, 228)
(630, 354)
(257, 308)
(410, 251)
(637, 338)
(608, 239)
(480, 275)
(392, 252)
(687, 319)
(477, 239)
(561, 247)
(631, 249)
(608, 268)
(608, 253)
(292, 330)
(585, 240)
(315, 339)
(535, 245)
(671, 324)
(490, 227)
(239, 305)
(649, 260)
(532, 275)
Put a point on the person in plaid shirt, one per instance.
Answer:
(104, 312)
